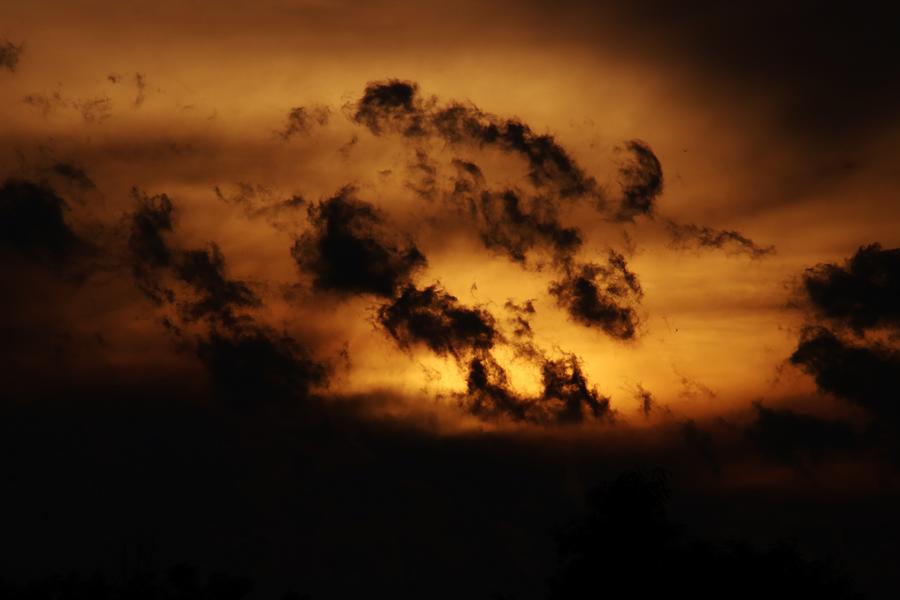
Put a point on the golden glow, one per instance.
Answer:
(713, 333)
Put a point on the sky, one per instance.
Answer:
(582, 235)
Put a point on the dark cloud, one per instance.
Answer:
(507, 225)
(250, 364)
(436, 319)
(488, 392)
(602, 296)
(515, 226)
(10, 54)
(845, 302)
(149, 251)
(522, 327)
(689, 235)
(798, 439)
(550, 165)
(253, 366)
(525, 308)
(33, 224)
(641, 178)
(213, 295)
(521, 313)
(74, 174)
(865, 375)
(390, 106)
(217, 296)
(351, 250)
(155, 263)
(302, 119)
(509, 222)
(566, 396)
(424, 171)
(469, 178)
(395, 106)
(863, 293)
(645, 399)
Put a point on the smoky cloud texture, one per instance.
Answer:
(301, 120)
(216, 295)
(857, 297)
(10, 54)
(33, 224)
(641, 180)
(601, 296)
(514, 226)
(396, 106)
(250, 364)
(436, 319)
(151, 220)
(253, 366)
(351, 250)
(849, 344)
(863, 293)
(566, 398)
(75, 174)
(867, 375)
(687, 235)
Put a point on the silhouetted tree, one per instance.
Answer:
(626, 547)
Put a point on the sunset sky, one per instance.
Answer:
(583, 232)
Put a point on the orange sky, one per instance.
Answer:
(715, 329)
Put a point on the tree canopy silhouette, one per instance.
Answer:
(627, 547)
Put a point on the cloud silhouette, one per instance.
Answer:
(10, 54)
(863, 293)
(686, 235)
(432, 317)
(352, 250)
(601, 296)
(641, 178)
(33, 224)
